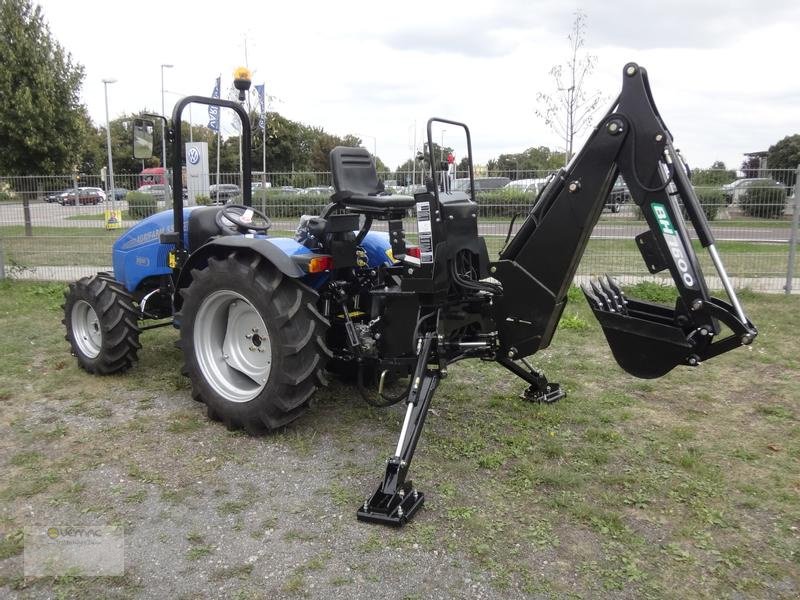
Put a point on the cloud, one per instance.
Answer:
(649, 24)
(466, 39)
(382, 93)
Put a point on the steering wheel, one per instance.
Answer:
(241, 217)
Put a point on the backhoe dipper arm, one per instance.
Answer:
(538, 265)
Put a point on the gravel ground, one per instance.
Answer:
(209, 513)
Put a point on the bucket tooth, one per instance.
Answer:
(604, 299)
(593, 300)
(619, 295)
(614, 299)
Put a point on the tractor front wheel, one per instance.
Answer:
(102, 324)
(253, 342)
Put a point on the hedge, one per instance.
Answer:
(711, 200)
(278, 204)
(141, 205)
(6, 193)
(766, 201)
(505, 203)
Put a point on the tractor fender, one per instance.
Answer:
(278, 251)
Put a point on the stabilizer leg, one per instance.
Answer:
(540, 390)
(396, 501)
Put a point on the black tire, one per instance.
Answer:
(296, 338)
(103, 305)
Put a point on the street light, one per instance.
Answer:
(441, 162)
(110, 186)
(163, 124)
(413, 154)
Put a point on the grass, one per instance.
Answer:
(65, 246)
(685, 486)
(98, 217)
(78, 246)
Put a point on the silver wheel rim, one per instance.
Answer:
(86, 329)
(232, 346)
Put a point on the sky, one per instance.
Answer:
(723, 73)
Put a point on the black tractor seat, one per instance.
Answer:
(358, 188)
(203, 226)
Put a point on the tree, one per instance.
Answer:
(751, 166)
(785, 154)
(715, 176)
(569, 110)
(43, 126)
(462, 168)
(540, 158)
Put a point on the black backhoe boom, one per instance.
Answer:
(538, 265)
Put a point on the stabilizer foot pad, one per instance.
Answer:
(551, 393)
(394, 511)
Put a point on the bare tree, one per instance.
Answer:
(569, 110)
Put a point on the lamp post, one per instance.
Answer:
(110, 187)
(413, 154)
(441, 161)
(163, 124)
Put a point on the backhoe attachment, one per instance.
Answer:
(461, 314)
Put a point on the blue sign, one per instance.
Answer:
(193, 155)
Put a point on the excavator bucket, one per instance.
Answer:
(643, 336)
(649, 339)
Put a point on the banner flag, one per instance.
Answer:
(213, 111)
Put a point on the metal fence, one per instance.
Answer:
(50, 231)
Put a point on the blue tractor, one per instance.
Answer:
(262, 319)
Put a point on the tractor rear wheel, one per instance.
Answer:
(253, 342)
(102, 324)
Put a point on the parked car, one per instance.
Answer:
(288, 189)
(160, 191)
(734, 190)
(527, 185)
(482, 184)
(55, 196)
(619, 195)
(410, 190)
(320, 190)
(223, 192)
(85, 195)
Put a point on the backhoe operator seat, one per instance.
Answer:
(355, 180)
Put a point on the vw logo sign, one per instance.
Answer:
(193, 155)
